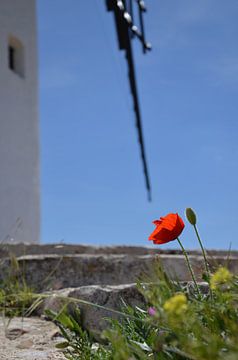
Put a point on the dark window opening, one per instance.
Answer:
(12, 58)
(16, 56)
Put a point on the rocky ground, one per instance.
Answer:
(29, 339)
(101, 275)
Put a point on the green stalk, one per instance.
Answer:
(203, 251)
(205, 258)
(189, 265)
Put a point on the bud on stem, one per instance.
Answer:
(191, 216)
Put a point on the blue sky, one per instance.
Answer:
(92, 184)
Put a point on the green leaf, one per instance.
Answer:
(205, 277)
(65, 320)
(62, 345)
(143, 345)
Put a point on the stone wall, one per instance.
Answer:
(106, 276)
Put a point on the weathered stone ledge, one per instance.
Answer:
(94, 319)
(46, 272)
(63, 249)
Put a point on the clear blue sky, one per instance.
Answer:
(92, 183)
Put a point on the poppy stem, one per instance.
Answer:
(189, 265)
(205, 259)
(203, 251)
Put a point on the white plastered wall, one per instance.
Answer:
(19, 147)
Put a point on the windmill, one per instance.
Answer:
(127, 30)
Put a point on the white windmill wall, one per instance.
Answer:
(19, 157)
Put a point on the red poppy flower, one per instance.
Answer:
(167, 229)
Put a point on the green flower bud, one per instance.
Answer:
(191, 216)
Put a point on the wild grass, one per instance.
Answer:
(15, 296)
(178, 322)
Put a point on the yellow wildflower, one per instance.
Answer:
(176, 305)
(220, 277)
